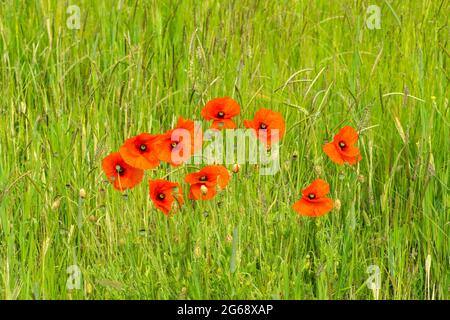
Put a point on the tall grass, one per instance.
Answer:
(69, 97)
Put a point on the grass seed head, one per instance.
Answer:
(56, 204)
(337, 204)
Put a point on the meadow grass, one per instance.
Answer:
(69, 97)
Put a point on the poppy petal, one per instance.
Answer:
(305, 208)
(272, 121)
(332, 153)
(352, 160)
(320, 188)
(224, 176)
(223, 124)
(127, 179)
(171, 193)
(131, 155)
(322, 207)
(347, 134)
(226, 105)
(349, 151)
(195, 192)
(196, 178)
(249, 124)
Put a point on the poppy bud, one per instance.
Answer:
(229, 238)
(92, 218)
(204, 189)
(82, 193)
(337, 204)
(56, 204)
(318, 170)
(361, 178)
(236, 168)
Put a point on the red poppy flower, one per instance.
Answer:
(203, 183)
(342, 149)
(202, 192)
(221, 110)
(139, 153)
(314, 202)
(165, 194)
(119, 173)
(264, 123)
(176, 146)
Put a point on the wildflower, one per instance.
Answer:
(342, 149)
(139, 152)
(120, 174)
(221, 111)
(314, 202)
(176, 146)
(164, 194)
(268, 126)
(204, 182)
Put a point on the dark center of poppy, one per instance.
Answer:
(342, 144)
(119, 169)
(203, 178)
(311, 196)
(263, 126)
(221, 114)
(143, 147)
(161, 196)
(174, 144)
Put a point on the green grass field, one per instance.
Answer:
(68, 97)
